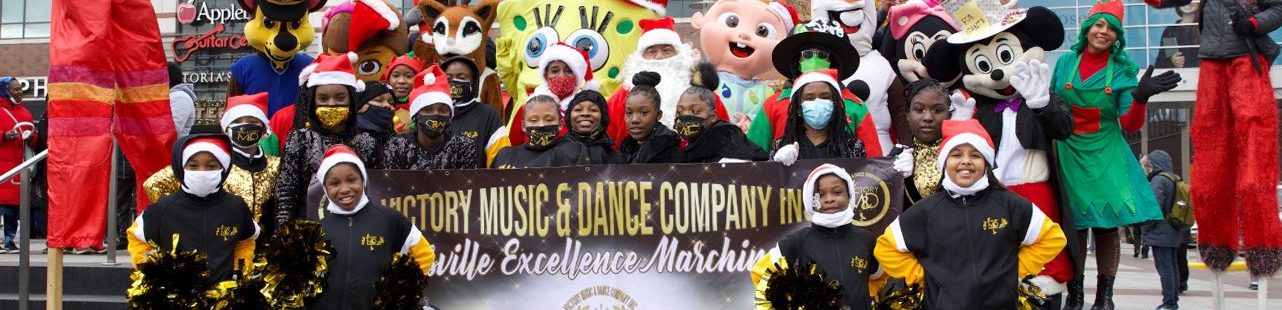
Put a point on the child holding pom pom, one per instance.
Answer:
(839, 251)
(366, 236)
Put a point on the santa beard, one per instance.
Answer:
(674, 77)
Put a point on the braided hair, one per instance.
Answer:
(842, 142)
(923, 85)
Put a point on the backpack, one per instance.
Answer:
(1181, 215)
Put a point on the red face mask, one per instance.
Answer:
(562, 86)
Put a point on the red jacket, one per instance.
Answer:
(13, 116)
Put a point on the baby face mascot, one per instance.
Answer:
(1235, 128)
(371, 28)
(606, 29)
(858, 19)
(739, 37)
(1006, 86)
(279, 30)
(460, 30)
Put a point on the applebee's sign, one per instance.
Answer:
(188, 13)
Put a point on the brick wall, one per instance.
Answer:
(24, 59)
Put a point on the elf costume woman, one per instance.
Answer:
(1103, 182)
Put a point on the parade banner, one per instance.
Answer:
(678, 236)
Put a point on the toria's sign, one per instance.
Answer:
(206, 41)
(679, 236)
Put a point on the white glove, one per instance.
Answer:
(1048, 285)
(1033, 81)
(963, 107)
(787, 155)
(904, 161)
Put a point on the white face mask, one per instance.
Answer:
(958, 191)
(201, 183)
(831, 220)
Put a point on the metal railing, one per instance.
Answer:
(24, 233)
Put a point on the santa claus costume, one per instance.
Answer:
(1234, 134)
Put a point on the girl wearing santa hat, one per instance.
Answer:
(431, 145)
(972, 242)
(565, 71)
(817, 127)
(202, 216)
(400, 76)
(253, 172)
(541, 122)
(365, 235)
(840, 250)
(330, 104)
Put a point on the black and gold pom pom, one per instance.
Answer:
(402, 286)
(173, 279)
(908, 298)
(801, 288)
(294, 264)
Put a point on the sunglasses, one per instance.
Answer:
(812, 53)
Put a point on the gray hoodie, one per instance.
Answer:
(1161, 233)
(182, 104)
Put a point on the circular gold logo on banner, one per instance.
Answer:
(874, 198)
(601, 297)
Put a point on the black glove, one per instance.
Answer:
(1242, 24)
(1151, 85)
(893, 285)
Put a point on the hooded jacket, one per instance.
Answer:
(663, 146)
(1161, 233)
(253, 179)
(219, 225)
(600, 147)
(970, 251)
(182, 106)
(304, 149)
(844, 254)
(476, 122)
(720, 141)
(375, 120)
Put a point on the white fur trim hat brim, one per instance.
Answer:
(335, 78)
(218, 152)
(976, 141)
(427, 99)
(808, 189)
(242, 111)
(658, 37)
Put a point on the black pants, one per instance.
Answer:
(1166, 259)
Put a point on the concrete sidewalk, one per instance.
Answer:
(1138, 287)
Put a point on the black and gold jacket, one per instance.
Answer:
(844, 254)
(403, 152)
(364, 243)
(219, 226)
(562, 153)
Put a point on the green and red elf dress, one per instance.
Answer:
(1102, 179)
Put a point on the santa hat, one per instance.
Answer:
(576, 59)
(958, 132)
(407, 61)
(826, 76)
(330, 70)
(660, 7)
(245, 105)
(369, 18)
(808, 188)
(1111, 7)
(785, 12)
(212, 144)
(430, 87)
(903, 16)
(340, 154)
(658, 32)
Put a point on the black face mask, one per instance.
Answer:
(375, 120)
(463, 92)
(246, 135)
(689, 126)
(541, 137)
(432, 125)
